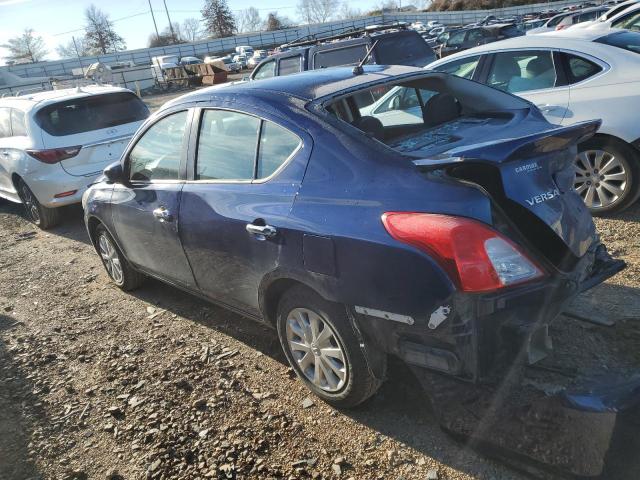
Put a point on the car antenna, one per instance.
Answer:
(358, 70)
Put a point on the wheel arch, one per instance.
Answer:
(271, 291)
(607, 137)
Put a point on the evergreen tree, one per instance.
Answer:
(218, 19)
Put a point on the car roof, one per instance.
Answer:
(550, 40)
(41, 99)
(310, 85)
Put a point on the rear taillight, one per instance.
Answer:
(476, 257)
(54, 155)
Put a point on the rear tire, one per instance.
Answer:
(322, 348)
(43, 217)
(118, 268)
(618, 186)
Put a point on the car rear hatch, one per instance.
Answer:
(101, 125)
(530, 181)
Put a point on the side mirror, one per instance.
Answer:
(114, 173)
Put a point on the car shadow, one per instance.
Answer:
(19, 413)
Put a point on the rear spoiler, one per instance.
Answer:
(505, 150)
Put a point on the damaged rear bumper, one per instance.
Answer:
(479, 337)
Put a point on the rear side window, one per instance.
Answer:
(456, 38)
(227, 146)
(580, 68)
(521, 71)
(91, 113)
(5, 122)
(556, 20)
(464, 67)
(237, 146)
(18, 125)
(340, 56)
(289, 65)
(277, 144)
(405, 48)
(156, 156)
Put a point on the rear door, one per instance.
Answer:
(533, 75)
(146, 210)
(6, 143)
(101, 124)
(234, 211)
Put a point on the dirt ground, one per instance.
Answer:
(101, 384)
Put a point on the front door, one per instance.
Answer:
(235, 212)
(146, 210)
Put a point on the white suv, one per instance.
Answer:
(54, 144)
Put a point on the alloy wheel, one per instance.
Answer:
(316, 349)
(111, 259)
(601, 178)
(30, 203)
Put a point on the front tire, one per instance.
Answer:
(43, 217)
(607, 175)
(322, 348)
(118, 268)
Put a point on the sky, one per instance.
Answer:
(56, 21)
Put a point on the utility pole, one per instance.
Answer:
(75, 45)
(154, 20)
(173, 34)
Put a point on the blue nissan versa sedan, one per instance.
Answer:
(450, 242)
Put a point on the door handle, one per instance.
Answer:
(262, 232)
(162, 214)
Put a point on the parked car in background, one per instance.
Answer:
(190, 61)
(228, 62)
(573, 79)
(245, 50)
(53, 145)
(549, 26)
(463, 39)
(395, 45)
(628, 19)
(573, 18)
(294, 209)
(241, 59)
(256, 58)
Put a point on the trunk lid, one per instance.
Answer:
(531, 179)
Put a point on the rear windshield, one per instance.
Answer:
(91, 113)
(627, 40)
(407, 48)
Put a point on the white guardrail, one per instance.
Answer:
(268, 39)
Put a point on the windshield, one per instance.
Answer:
(403, 48)
(626, 40)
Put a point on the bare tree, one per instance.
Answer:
(317, 11)
(277, 22)
(99, 33)
(248, 20)
(192, 29)
(26, 47)
(69, 50)
(347, 13)
(218, 18)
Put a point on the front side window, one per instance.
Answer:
(456, 38)
(227, 146)
(266, 70)
(277, 144)
(476, 35)
(18, 123)
(464, 67)
(156, 156)
(5, 122)
(580, 68)
(521, 71)
(290, 65)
